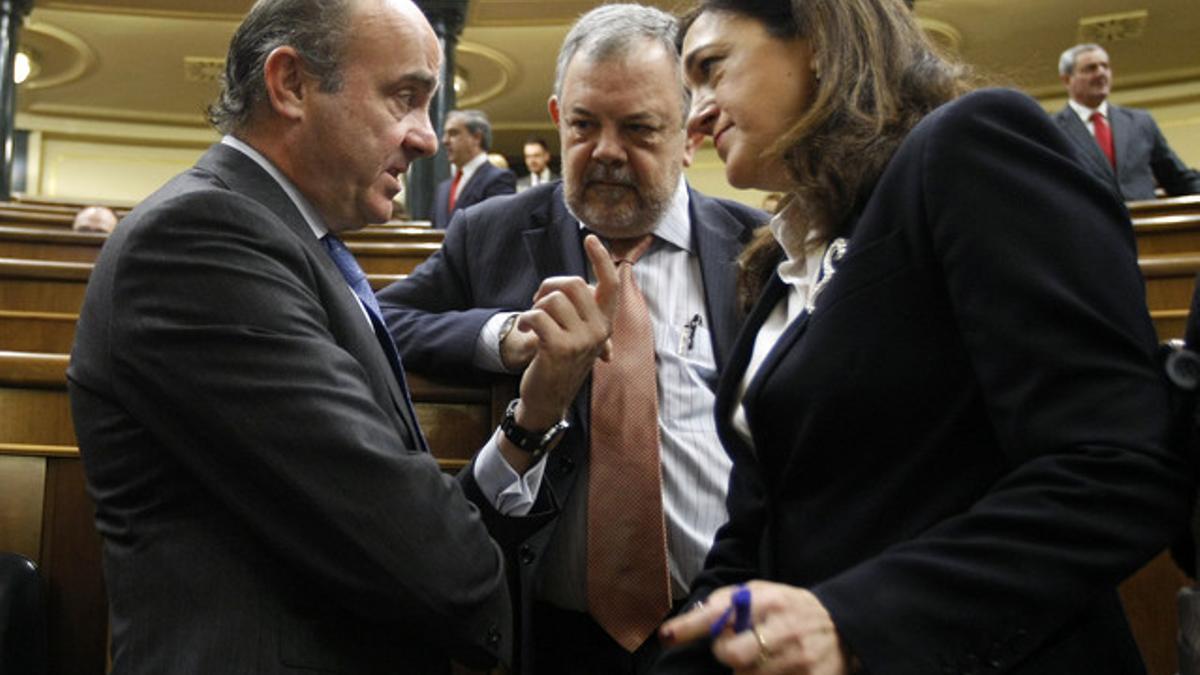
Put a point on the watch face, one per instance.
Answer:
(507, 326)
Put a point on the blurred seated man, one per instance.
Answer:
(95, 219)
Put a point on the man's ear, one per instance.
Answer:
(552, 104)
(283, 75)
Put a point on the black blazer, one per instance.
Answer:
(1143, 156)
(265, 498)
(487, 181)
(961, 450)
(493, 259)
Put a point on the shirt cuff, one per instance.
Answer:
(509, 492)
(487, 345)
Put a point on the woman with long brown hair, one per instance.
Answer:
(946, 421)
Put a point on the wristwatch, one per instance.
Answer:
(534, 442)
(510, 322)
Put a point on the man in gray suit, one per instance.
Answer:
(267, 501)
(1120, 146)
(468, 139)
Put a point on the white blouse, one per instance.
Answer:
(800, 270)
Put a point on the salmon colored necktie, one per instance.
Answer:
(628, 584)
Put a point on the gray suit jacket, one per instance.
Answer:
(1143, 156)
(265, 498)
(493, 259)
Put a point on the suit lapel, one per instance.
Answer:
(244, 176)
(739, 359)
(1122, 133)
(1078, 133)
(713, 231)
(554, 241)
(473, 190)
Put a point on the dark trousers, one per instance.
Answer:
(571, 643)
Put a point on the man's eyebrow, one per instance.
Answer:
(421, 78)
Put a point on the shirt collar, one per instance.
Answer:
(314, 219)
(472, 166)
(1085, 113)
(675, 225)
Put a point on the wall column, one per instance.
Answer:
(12, 14)
(447, 18)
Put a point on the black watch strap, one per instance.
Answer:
(534, 442)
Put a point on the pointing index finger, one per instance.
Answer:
(608, 283)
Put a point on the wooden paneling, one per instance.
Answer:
(77, 611)
(22, 481)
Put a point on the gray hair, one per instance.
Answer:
(1066, 62)
(477, 124)
(317, 29)
(610, 31)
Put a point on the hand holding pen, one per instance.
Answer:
(763, 628)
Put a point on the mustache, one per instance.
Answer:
(620, 175)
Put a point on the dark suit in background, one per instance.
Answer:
(492, 260)
(1143, 157)
(961, 451)
(487, 181)
(248, 446)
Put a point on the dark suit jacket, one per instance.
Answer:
(1143, 155)
(244, 439)
(493, 259)
(961, 452)
(487, 181)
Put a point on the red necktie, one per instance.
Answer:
(1104, 137)
(454, 190)
(628, 584)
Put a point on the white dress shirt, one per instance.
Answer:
(1085, 114)
(694, 465)
(799, 270)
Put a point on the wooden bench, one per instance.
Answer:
(58, 287)
(1167, 234)
(42, 286)
(1164, 207)
(376, 254)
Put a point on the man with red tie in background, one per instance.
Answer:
(1120, 146)
(468, 138)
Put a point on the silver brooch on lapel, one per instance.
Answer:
(833, 255)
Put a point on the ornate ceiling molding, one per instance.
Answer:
(72, 57)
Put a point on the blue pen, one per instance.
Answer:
(741, 610)
(738, 610)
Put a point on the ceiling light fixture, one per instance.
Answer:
(22, 67)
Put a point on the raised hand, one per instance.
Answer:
(571, 322)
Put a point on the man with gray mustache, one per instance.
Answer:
(619, 106)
